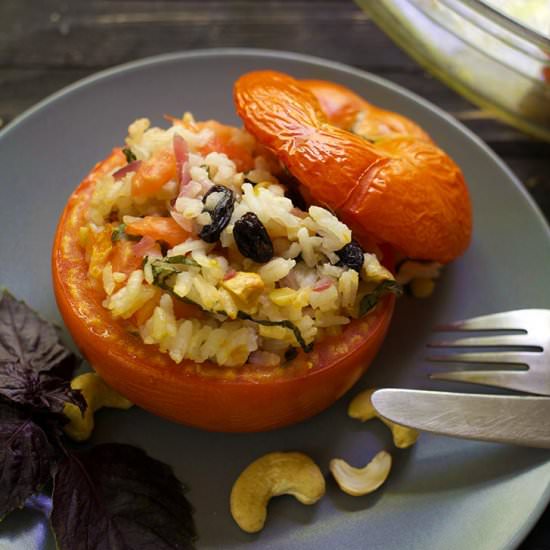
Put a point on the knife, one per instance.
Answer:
(519, 420)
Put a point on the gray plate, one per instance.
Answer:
(443, 493)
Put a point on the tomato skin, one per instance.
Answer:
(203, 395)
(158, 228)
(153, 173)
(401, 190)
(224, 141)
(124, 259)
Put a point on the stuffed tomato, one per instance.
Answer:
(199, 286)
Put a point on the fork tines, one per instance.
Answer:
(521, 354)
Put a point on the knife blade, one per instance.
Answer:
(518, 420)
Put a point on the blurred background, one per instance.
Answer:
(499, 65)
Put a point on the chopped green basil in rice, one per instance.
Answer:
(265, 277)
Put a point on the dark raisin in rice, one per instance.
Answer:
(220, 214)
(351, 256)
(252, 239)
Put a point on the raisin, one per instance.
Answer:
(252, 239)
(220, 214)
(351, 256)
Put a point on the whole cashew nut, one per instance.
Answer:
(362, 409)
(361, 481)
(97, 395)
(272, 475)
(410, 270)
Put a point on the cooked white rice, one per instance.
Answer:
(301, 284)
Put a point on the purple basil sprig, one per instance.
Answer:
(109, 497)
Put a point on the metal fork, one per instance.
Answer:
(528, 347)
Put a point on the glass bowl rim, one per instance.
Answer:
(505, 21)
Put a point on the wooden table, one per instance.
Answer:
(47, 44)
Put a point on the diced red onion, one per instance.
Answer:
(229, 275)
(322, 284)
(146, 245)
(191, 189)
(130, 167)
(184, 223)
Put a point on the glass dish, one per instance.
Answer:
(498, 59)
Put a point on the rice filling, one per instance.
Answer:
(205, 256)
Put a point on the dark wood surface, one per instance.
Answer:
(48, 44)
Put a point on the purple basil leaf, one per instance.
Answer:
(116, 497)
(29, 341)
(27, 458)
(37, 390)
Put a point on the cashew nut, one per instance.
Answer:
(97, 395)
(362, 409)
(272, 475)
(410, 270)
(420, 276)
(422, 287)
(361, 481)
